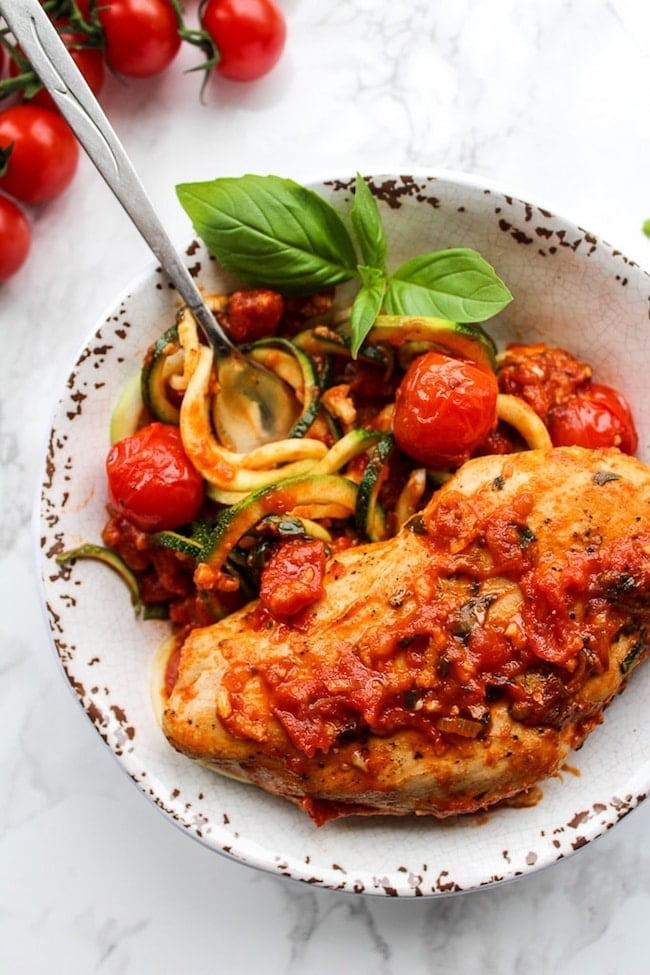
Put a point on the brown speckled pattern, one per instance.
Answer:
(570, 288)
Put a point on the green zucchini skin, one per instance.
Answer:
(369, 515)
(152, 386)
(311, 388)
(110, 558)
(323, 341)
(212, 542)
(399, 331)
(128, 410)
(310, 489)
(346, 448)
(183, 544)
(453, 338)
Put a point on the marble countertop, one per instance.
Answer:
(548, 98)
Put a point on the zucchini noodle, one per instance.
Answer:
(188, 338)
(409, 501)
(522, 417)
(225, 468)
(282, 364)
(339, 478)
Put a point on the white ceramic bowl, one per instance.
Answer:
(570, 289)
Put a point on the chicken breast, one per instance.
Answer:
(450, 668)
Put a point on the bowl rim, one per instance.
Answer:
(140, 279)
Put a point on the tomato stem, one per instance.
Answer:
(198, 38)
(91, 29)
(27, 82)
(5, 155)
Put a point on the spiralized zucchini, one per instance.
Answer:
(188, 367)
(188, 337)
(522, 417)
(225, 468)
(338, 476)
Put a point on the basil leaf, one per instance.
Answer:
(367, 225)
(367, 304)
(457, 284)
(271, 232)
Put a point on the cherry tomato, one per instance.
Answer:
(15, 238)
(292, 579)
(151, 481)
(596, 416)
(249, 35)
(141, 36)
(84, 8)
(253, 314)
(444, 408)
(89, 60)
(44, 156)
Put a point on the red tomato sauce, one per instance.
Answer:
(440, 667)
(293, 577)
(441, 410)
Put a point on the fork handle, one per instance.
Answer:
(47, 54)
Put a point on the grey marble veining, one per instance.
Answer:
(548, 97)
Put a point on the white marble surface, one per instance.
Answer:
(549, 97)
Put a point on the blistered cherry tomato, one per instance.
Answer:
(141, 36)
(253, 314)
(292, 579)
(596, 416)
(45, 153)
(444, 408)
(151, 481)
(15, 238)
(249, 35)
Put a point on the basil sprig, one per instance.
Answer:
(272, 232)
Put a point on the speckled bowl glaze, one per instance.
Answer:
(570, 289)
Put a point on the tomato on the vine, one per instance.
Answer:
(85, 8)
(595, 416)
(151, 481)
(249, 36)
(38, 153)
(444, 409)
(141, 37)
(15, 237)
(89, 60)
